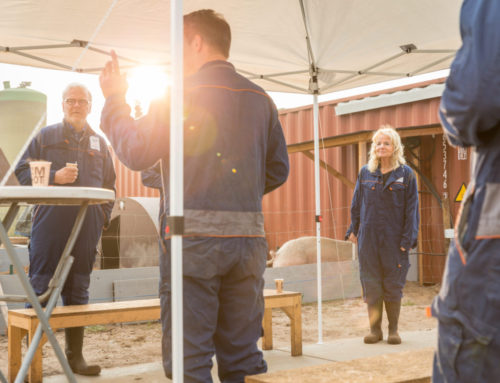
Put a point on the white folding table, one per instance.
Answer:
(13, 196)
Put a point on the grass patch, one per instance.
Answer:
(408, 303)
(97, 328)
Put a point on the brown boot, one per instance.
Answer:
(74, 345)
(375, 317)
(393, 309)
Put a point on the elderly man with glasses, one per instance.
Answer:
(79, 157)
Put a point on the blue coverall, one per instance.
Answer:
(152, 178)
(468, 305)
(234, 153)
(385, 219)
(52, 225)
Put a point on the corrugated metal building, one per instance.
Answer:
(128, 182)
(346, 127)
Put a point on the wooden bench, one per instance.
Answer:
(291, 304)
(25, 321)
(403, 367)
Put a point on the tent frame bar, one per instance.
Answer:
(432, 64)
(19, 50)
(261, 76)
(36, 58)
(367, 71)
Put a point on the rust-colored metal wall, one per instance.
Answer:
(128, 182)
(290, 210)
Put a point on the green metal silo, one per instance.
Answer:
(20, 110)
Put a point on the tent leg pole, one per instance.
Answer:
(176, 187)
(318, 215)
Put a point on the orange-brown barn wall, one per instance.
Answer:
(290, 210)
(128, 182)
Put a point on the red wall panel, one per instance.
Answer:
(128, 182)
(290, 210)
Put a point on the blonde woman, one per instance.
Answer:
(384, 224)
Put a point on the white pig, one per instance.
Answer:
(302, 251)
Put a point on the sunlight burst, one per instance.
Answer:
(146, 83)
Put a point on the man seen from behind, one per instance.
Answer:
(234, 153)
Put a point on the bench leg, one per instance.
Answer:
(294, 312)
(267, 324)
(16, 335)
(35, 372)
(296, 329)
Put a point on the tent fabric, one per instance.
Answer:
(352, 43)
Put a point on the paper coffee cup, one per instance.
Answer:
(279, 285)
(40, 173)
(71, 164)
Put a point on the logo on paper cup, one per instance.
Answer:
(40, 173)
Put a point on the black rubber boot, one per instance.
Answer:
(393, 309)
(375, 317)
(74, 345)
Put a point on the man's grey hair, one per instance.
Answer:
(76, 85)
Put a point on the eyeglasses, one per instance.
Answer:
(74, 101)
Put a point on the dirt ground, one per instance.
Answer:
(121, 345)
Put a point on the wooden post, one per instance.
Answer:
(331, 170)
(420, 255)
(362, 154)
(420, 247)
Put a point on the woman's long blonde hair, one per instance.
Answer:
(398, 155)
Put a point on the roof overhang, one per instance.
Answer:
(363, 136)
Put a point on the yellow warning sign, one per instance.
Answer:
(460, 194)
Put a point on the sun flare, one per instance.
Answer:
(146, 83)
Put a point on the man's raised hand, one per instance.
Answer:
(110, 79)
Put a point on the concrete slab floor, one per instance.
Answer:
(277, 360)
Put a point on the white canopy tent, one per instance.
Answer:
(300, 46)
(280, 44)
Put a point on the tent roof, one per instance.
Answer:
(351, 43)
